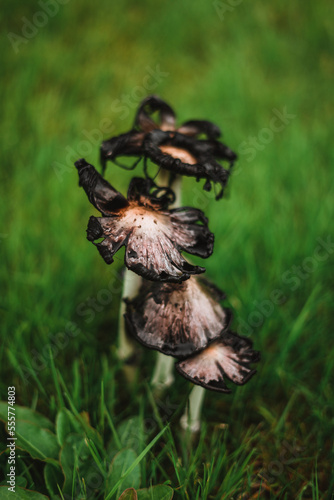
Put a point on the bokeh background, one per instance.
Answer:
(73, 73)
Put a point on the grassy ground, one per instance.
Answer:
(79, 78)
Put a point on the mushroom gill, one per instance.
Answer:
(227, 358)
(177, 319)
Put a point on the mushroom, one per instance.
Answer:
(153, 235)
(227, 357)
(177, 319)
(185, 320)
(168, 308)
(180, 151)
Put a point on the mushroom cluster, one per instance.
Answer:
(174, 310)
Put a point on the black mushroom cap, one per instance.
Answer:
(195, 128)
(99, 192)
(151, 104)
(191, 157)
(177, 319)
(153, 235)
(128, 144)
(131, 143)
(181, 151)
(226, 358)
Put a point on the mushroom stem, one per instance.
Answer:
(163, 372)
(191, 419)
(131, 285)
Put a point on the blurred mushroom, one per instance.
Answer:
(180, 151)
(153, 235)
(226, 358)
(177, 319)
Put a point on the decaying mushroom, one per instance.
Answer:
(153, 235)
(177, 319)
(185, 320)
(167, 307)
(181, 150)
(227, 357)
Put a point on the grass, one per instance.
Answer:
(80, 78)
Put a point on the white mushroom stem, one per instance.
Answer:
(163, 375)
(131, 285)
(191, 419)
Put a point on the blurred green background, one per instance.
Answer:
(74, 75)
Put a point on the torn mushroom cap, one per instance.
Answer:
(153, 235)
(177, 319)
(167, 120)
(131, 143)
(151, 104)
(190, 157)
(180, 151)
(225, 358)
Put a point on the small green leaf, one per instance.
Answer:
(136, 462)
(66, 423)
(39, 443)
(73, 448)
(20, 494)
(53, 477)
(121, 463)
(160, 492)
(128, 434)
(79, 468)
(23, 413)
(129, 494)
(21, 481)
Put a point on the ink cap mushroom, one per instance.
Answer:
(182, 150)
(154, 236)
(177, 319)
(185, 320)
(174, 312)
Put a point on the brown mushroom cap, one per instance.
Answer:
(225, 358)
(177, 319)
(153, 235)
